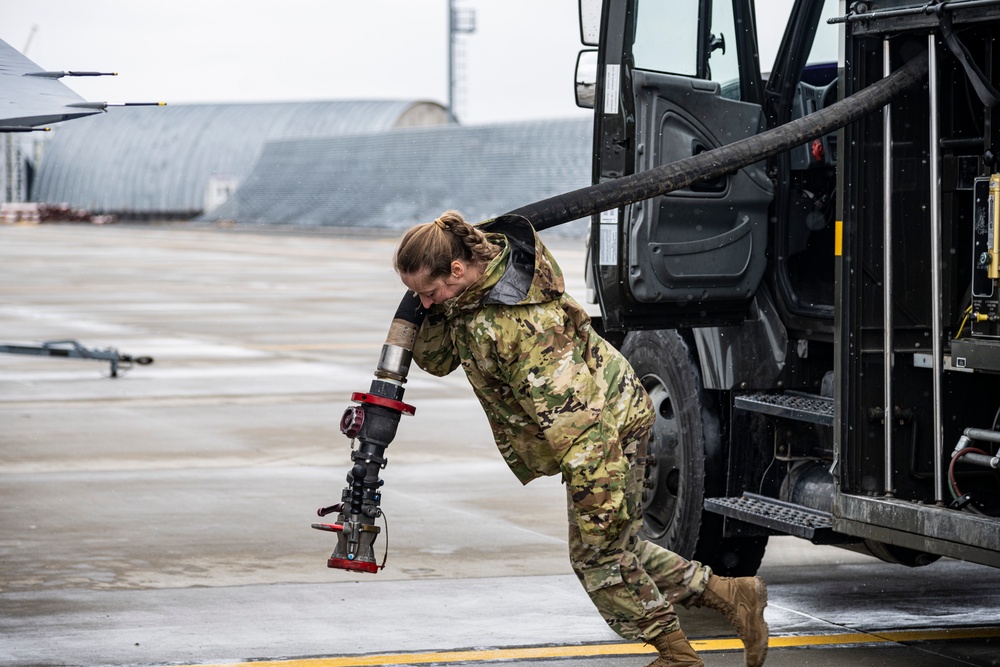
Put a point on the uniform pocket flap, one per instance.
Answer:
(596, 578)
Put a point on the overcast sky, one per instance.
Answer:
(518, 65)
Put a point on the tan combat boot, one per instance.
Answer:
(742, 602)
(675, 651)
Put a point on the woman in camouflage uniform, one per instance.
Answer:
(561, 400)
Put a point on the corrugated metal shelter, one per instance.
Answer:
(160, 161)
(398, 178)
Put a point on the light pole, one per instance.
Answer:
(460, 20)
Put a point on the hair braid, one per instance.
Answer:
(435, 245)
(474, 241)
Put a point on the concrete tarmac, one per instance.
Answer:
(162, 517)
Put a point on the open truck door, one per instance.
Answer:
(695, 256)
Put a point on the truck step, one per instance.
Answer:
(777, 515)
(790, 405)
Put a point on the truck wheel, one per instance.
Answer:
(674, 492)
(678, 471)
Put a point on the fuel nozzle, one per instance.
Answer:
(371, 426)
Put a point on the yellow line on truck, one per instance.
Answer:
(595, 650)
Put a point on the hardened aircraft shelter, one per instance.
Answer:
(397, 178)
(178, 161)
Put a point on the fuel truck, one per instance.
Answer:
(795, 241)
(818, 329)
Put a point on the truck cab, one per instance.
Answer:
(819, 330)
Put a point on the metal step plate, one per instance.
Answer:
(790, 405)
(777, 515)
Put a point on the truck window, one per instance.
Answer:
(677, 53)
(772, 16)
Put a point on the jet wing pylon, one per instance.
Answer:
(30, 97)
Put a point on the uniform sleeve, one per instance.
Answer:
(548, 371)
(433, 350)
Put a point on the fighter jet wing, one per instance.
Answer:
(31, 96)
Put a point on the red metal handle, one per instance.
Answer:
(331, 527)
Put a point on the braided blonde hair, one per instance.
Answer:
(435, 245)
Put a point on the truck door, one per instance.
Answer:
(680, 77)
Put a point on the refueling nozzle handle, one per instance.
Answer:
(323, 511)
(330, 527)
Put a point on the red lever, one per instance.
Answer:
(331, 527)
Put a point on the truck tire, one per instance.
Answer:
(685, 453)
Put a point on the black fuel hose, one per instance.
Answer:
(664, 179)
(711, 164)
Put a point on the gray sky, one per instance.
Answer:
(518, 64)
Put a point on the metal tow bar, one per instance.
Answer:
(75, 350)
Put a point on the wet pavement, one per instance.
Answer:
(162, 517)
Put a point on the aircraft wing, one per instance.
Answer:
(30, 96)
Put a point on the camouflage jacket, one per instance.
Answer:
(559, 398)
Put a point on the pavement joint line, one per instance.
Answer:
(294, 347)
(621, 649)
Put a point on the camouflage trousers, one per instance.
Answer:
(634, 583)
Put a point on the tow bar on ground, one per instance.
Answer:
(74, 349)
